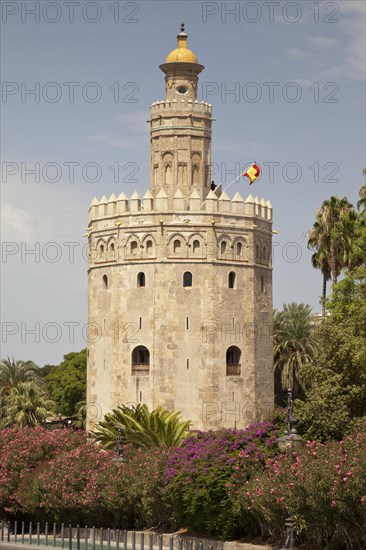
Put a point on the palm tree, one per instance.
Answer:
(26, 404)
(141, 427)
(332, 237)
(294, 343)
(320, 259)
(14, 372)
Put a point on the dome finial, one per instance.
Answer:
(182, 53)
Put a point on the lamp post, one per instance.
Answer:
(119, 451)
(288, 441)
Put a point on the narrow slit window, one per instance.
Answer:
(263, 285)
(105, 282)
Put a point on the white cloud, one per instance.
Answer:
(17, 224)
(352, 48)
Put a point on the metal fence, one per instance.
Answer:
(90, 538)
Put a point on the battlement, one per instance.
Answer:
(237, 206)
(174, 105)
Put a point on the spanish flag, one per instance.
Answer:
(252, 173)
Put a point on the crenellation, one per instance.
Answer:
(195, 201)
(135, 202)
(249, 206)
(211, 202)
(224, 203)
(263, 212)
(161, 201)
(103, 206)
(178, 201)
(112, 205)
(109, 208)
(148, 203)
(237, 204)
(122, 203)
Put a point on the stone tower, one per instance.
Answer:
(180, 281)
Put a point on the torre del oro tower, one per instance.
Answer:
(180, 279)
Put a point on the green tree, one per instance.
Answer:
(67, 382)
(14, 372)
(294, 343)
(141, 427)
(26, 404)
(335, 395)
(333, 239)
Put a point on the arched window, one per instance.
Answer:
(257, 251)
(196, 246)
(233, 366)
(239, 249)
(264, 253)
(149, 247)
(232, 278)
(140, 361)
(223, 247)
(133, 248)
(105, 282)
(187, 279)
(101, 252)
(141, 279)
(176, 246)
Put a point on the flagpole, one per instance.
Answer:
(225, 188)
(232, 183)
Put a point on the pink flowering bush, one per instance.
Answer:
(323, 486)
(61, 476)
(21, 451)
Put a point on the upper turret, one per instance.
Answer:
(181, 68)
(181, 129)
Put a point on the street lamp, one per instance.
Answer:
(287, 442)
(119, 451)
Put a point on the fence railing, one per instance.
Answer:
(91, 538)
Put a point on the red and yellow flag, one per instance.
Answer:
(252, 173)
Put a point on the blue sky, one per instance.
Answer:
(286, 81)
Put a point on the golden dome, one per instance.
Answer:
(182, 54)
